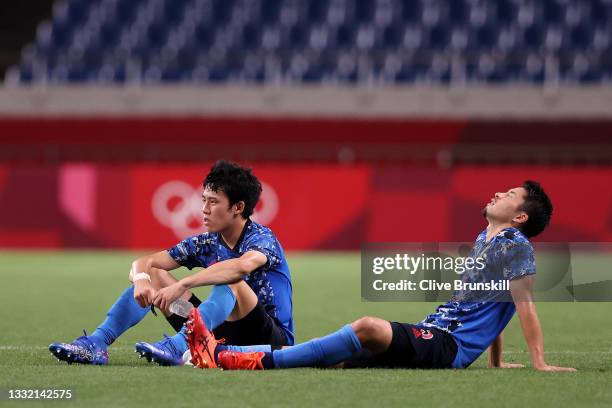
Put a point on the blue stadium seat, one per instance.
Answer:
(439, 70)
(126, 10)
(393, 36)
(76, 11)
(484, 37)
(507, 11)
(204, 36)
(298, 37)
(317, 11)
(314, 74)
(61, 35)
(174, 11)
(109, 35)
(581, 37)
(553, 12)
(601, 13)
(94, 40)
(364, 11)
(251, 36)
(345, 36)
(174, 73)
(411, 11)
(270, 11)
(223, 10)
(438, 37)
(81, 73)
(533, 37)
(412, 72)
(218, 74)
(26, 74)
(157, 34)
(533, 70)
(458, 12)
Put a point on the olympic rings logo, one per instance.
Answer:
(178, 206)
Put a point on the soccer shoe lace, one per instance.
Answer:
(168, 344)
(235, 360)
(201, 341)
(82, 351)
(163, 352)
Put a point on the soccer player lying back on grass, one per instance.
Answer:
(250, 302)
(451, 337)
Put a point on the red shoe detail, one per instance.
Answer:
(201, 341)
(235, 360)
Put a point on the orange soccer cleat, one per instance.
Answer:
(235, 360)
(201, 341)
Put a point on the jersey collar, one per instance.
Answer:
(240, 239)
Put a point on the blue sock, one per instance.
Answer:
(125, 313)
(214, 310)
(322, 352)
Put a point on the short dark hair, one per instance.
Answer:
(238, 183)
(538, 207)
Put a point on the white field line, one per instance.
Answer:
(7, 347)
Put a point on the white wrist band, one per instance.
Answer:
(141, 276)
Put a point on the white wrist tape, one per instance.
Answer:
(141, 276)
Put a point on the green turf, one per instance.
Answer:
(52, 296)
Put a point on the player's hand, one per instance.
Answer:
(144, 293)
(547, 367)
(167, 295)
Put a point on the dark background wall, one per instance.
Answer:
(18, 22)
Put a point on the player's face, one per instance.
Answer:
(218, 215)
(504, 207)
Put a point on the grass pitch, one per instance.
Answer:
(52, 296)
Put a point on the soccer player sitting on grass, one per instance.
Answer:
(454, 336)
(250, 302)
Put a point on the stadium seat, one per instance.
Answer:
(201, 40)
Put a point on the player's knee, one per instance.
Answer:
(235, 288)
(367, 329)
(161, 278)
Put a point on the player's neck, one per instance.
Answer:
(232, 234)
(495, 228)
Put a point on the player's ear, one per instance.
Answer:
(239, 207)
(521, 218)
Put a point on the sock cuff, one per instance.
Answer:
(349, 333)
(277, 358)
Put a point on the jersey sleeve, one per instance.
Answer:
(518, 261)
(266, 243)
(190, 251)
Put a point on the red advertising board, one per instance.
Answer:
(309, 206)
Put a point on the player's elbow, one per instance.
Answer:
(249, 262)
(244, 267)
(142, 264)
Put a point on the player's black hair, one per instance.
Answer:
(238, 183)
(538, 207)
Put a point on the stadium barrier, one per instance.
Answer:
(141, 205)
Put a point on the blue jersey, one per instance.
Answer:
(475, 319)
(271, 282)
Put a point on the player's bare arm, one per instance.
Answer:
(495, 355)
(224, 272)
(146, 268)
(522, 294)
